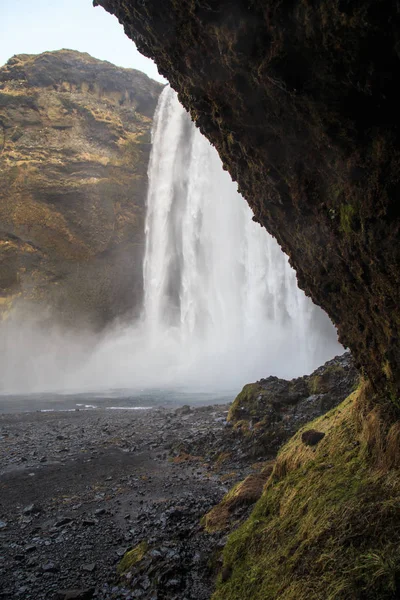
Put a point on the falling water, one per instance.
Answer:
(221, 303)
(216, 283)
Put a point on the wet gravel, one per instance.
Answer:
(79, 489)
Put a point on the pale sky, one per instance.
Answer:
(28, 27)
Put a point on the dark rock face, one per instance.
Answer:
(74, 149)
(311, 437)
(301, 102)
(267, 413)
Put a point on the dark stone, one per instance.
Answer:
(77, 594)
(50, 567)
(19, 557)
(311, 437)
(272, 409)
(183, 410)
(88, 522)
(31, 509)
(226, 573)
(89, 567)
(63, 521)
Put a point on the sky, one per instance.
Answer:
(28, 27)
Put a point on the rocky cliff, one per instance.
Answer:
(301, 101)
(74, 149)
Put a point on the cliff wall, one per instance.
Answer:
(301, 101)
(74, 150)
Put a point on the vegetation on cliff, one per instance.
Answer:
(74, 149)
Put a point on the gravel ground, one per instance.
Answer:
(79, 489)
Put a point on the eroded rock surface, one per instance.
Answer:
(74, 150)
(267, 413)
(301, 101)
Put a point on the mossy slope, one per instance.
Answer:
(328, 523)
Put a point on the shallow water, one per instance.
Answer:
(110, 400)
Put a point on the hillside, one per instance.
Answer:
(74, 150)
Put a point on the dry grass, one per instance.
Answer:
(245, 493)
(327, 525)
(185, 457)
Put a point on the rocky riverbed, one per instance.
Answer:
(79, 489)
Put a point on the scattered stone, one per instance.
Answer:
(89, 568)
(91, 546)
(183, 410)
(74, 594)
(63, 521)
(312, 437)
(88, 522)
(31, 509)
(50, 567)
(19, 557)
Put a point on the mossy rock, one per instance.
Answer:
(132, 557)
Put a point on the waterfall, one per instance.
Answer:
(221, 303)
(219, 293)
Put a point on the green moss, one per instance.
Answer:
(245, 402)
(313, 384)
(132, 557)
(347, 212)
(327, 524)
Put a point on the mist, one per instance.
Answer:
(221, 304)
